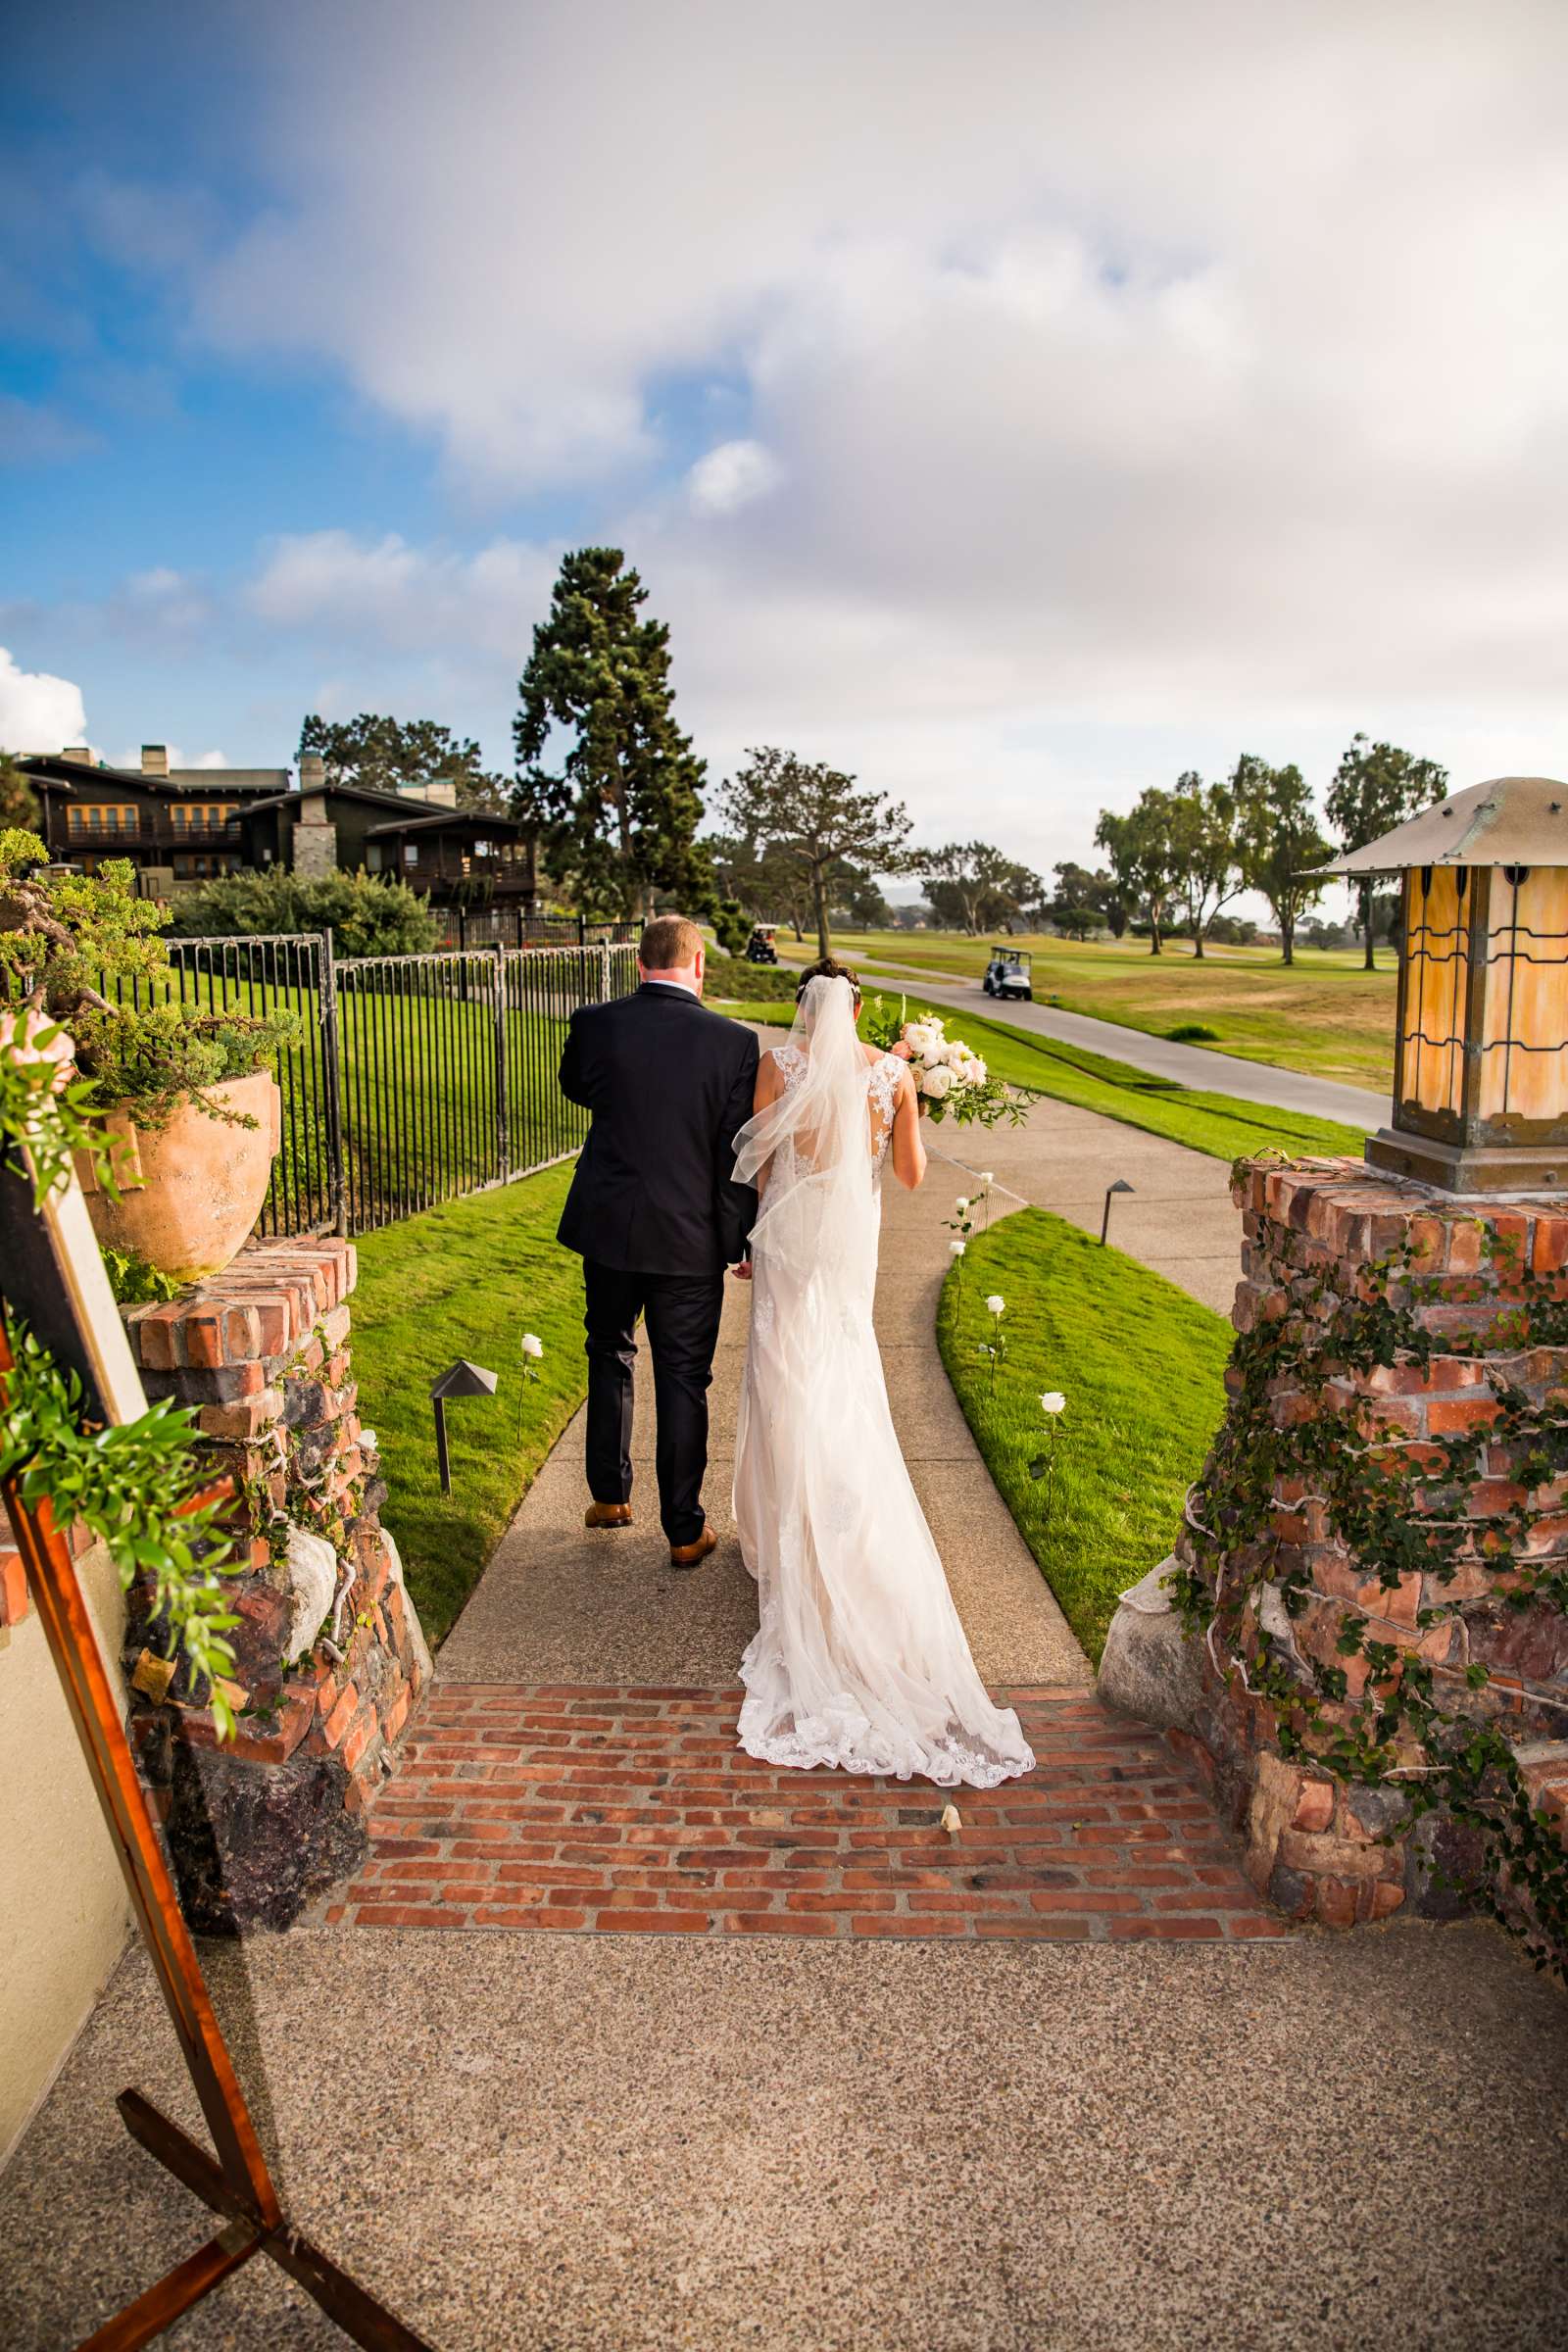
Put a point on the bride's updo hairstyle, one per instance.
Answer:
(828, 967)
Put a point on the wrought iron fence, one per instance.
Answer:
(414, 1078)
(489, 925)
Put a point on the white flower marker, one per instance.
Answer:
(1052, 1401)
(532, 1345)
(995, 1304)
(957, 1248)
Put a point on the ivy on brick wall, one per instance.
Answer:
(1378, 1688)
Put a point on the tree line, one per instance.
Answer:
(611, 796)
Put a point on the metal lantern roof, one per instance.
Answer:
(1514, 820)
(465, 1380)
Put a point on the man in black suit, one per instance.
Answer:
(656, 1218)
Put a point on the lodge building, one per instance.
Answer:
(182, 826)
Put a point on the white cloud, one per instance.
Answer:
(1133, 384)
(38, 712)
(731, 476)
(387, 593)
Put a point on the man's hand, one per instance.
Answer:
(743, 1273)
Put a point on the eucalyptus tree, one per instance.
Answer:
(1376, 787)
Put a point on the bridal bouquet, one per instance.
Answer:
(950, 1078)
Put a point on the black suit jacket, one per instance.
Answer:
(669, 1084)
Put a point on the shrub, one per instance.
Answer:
(365, 917)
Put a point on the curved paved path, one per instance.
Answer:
(1197, 1066)
(556, 1604)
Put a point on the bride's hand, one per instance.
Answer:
(743, 1273)
(902, 1052)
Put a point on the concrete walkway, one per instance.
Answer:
(557, 1605)
(1196, 1067)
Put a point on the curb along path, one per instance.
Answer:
(575, 1767)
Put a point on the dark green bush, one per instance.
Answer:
(366, 916)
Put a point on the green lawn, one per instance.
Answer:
(1324, 1013)
(1140, 1365)
(1214, 1123)
(465, 1279)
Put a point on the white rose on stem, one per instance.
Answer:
(937, 1083)
(962, 1203)
(986, 1177)
(995, 1304)
(532, 1345)
(1052, 1401)
(958, 1248)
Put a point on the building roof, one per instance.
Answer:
(1513, 820)
(73, 775)
(449, 820)
(338, 792)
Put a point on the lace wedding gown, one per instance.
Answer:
(859, 1661)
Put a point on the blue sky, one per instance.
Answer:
(1015, 405)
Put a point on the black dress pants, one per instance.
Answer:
(683, 1313)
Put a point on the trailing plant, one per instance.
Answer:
(64, 938)
(135, 1282)
(134, 1486)
(1398, 1706)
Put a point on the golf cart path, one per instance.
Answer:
(1197, 1066)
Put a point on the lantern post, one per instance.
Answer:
(1481, 1051)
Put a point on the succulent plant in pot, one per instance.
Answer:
(186, 1093)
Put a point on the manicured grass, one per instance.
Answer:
(465, 1279)
(1324, 1013)
(1140, 1365)
(1217, 1124)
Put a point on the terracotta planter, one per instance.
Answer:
(190, 1193)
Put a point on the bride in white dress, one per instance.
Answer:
(859, 1661)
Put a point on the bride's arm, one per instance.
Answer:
(908, 1146)
(768, 1088)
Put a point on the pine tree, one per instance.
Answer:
(618, 818)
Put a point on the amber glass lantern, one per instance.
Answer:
(1481, 1058)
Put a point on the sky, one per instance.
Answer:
(1015, 405)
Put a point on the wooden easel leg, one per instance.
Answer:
(237, 2181)
(161, 2305)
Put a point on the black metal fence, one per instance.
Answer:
(414, 1078)
(490, 925)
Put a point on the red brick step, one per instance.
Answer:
(633, 1811)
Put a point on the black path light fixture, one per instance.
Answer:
(1481, 1051)
(1121, 1185)
(463, 1380)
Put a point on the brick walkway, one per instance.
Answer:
(564, 1806)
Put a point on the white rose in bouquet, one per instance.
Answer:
(924, 1039)
(937, 1083)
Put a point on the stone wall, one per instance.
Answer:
(329, 1659)
(1322, 1847)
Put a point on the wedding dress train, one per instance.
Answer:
(860, 1659)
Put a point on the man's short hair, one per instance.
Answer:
(668, 944)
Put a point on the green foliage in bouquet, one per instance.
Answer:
(952, 1081)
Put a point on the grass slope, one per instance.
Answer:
(1140, 1365)
(1213, 1123)
(465, 1279)
(1323, 1013)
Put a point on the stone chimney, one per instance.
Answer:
(79, 752)
(312, 771)
(437, 792)
(154, 758)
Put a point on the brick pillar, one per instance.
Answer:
(329, 1658)
(1336, 1850)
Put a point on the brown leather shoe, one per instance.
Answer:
(687, 1555)
(608, 1514)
